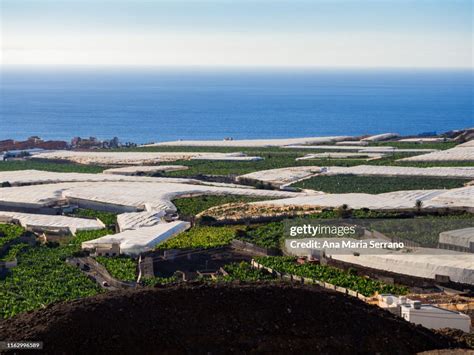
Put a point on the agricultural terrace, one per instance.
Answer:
(423, 230)
(49, 166)
(271, 235)
(274, 157)
(376, 184)
(43, 277)
(337, 277)
(192, 206)
(108, 218)
(122, 268)
(201, 237)
(243, 271)
(125, 269)
(8, 233)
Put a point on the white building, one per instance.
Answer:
(426, 315)
(433, 317)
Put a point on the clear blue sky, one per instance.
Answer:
(341, 33)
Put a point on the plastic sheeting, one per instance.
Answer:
(448, 172)
(459, 237)
(46, 223)
(135, 220)
(251, 142)
(458, 198)
(459, 153)
(119, 196)
(128, 158)
(136, 241)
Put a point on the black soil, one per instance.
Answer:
(220, 319)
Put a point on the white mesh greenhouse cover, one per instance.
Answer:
(420, 262)
(134, 242)
(252, 142)
(135, 220)
(459, 237)
(48, 222)
(459, 153)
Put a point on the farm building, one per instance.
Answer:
(459, 239)
(433, 317)
(427, 315)
(106, 249)
(136, 241)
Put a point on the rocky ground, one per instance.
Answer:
(221, 318)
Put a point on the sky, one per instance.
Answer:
(238, 33)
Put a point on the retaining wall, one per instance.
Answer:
(254, 249)
(306, 280)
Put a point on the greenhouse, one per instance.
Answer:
(48, 223)
(135, 220)
(134, 242)
(459, 239)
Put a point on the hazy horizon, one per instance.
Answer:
(318, 34)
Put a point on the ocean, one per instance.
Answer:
(169, 104)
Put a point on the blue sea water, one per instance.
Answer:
(160, 105)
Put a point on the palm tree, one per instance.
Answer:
(343, 211)
(418, 205)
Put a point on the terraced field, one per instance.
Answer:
(191, 206)
(201, 237)
(332, 275)
(376, 184)
(43, 277)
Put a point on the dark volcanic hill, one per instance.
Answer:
(220, 319)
